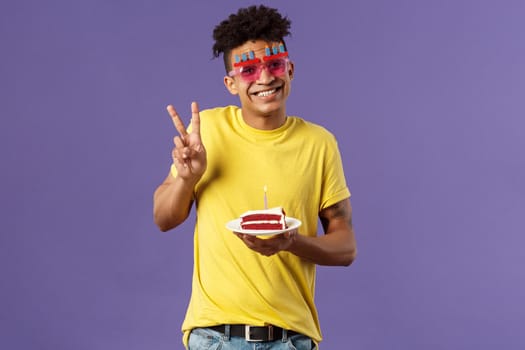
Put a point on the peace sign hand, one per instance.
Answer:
(189, 154)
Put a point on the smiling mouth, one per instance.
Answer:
(266, 93)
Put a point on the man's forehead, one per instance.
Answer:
(253, 51)
(257, 46)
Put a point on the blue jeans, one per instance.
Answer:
(208, 339)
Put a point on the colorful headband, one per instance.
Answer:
(269, 54)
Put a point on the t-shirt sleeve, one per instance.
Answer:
(334, 188)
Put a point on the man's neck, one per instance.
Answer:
(265, 122)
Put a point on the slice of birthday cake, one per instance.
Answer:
(265, 219)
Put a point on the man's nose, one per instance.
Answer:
(265, 77)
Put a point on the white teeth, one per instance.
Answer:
(265, 93)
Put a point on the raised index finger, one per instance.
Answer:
(179, 125)
(195, 118)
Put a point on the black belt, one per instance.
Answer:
(254, 333)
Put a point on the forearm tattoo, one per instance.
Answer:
(338, 210)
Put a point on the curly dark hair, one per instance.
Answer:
(250, 23)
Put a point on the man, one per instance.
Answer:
(246, 288)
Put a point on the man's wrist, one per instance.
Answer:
(187, 182)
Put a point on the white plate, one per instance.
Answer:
(235, 225)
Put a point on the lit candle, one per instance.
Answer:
(265, 197)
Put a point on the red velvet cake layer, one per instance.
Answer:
(267, 219)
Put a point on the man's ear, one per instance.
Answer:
(229, 82)
(291, 70)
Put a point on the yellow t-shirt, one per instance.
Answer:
(301, 167)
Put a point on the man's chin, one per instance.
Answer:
(269, 109)
(267, 104)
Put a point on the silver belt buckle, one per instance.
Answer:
(247, 333)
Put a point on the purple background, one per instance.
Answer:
(425, 97)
